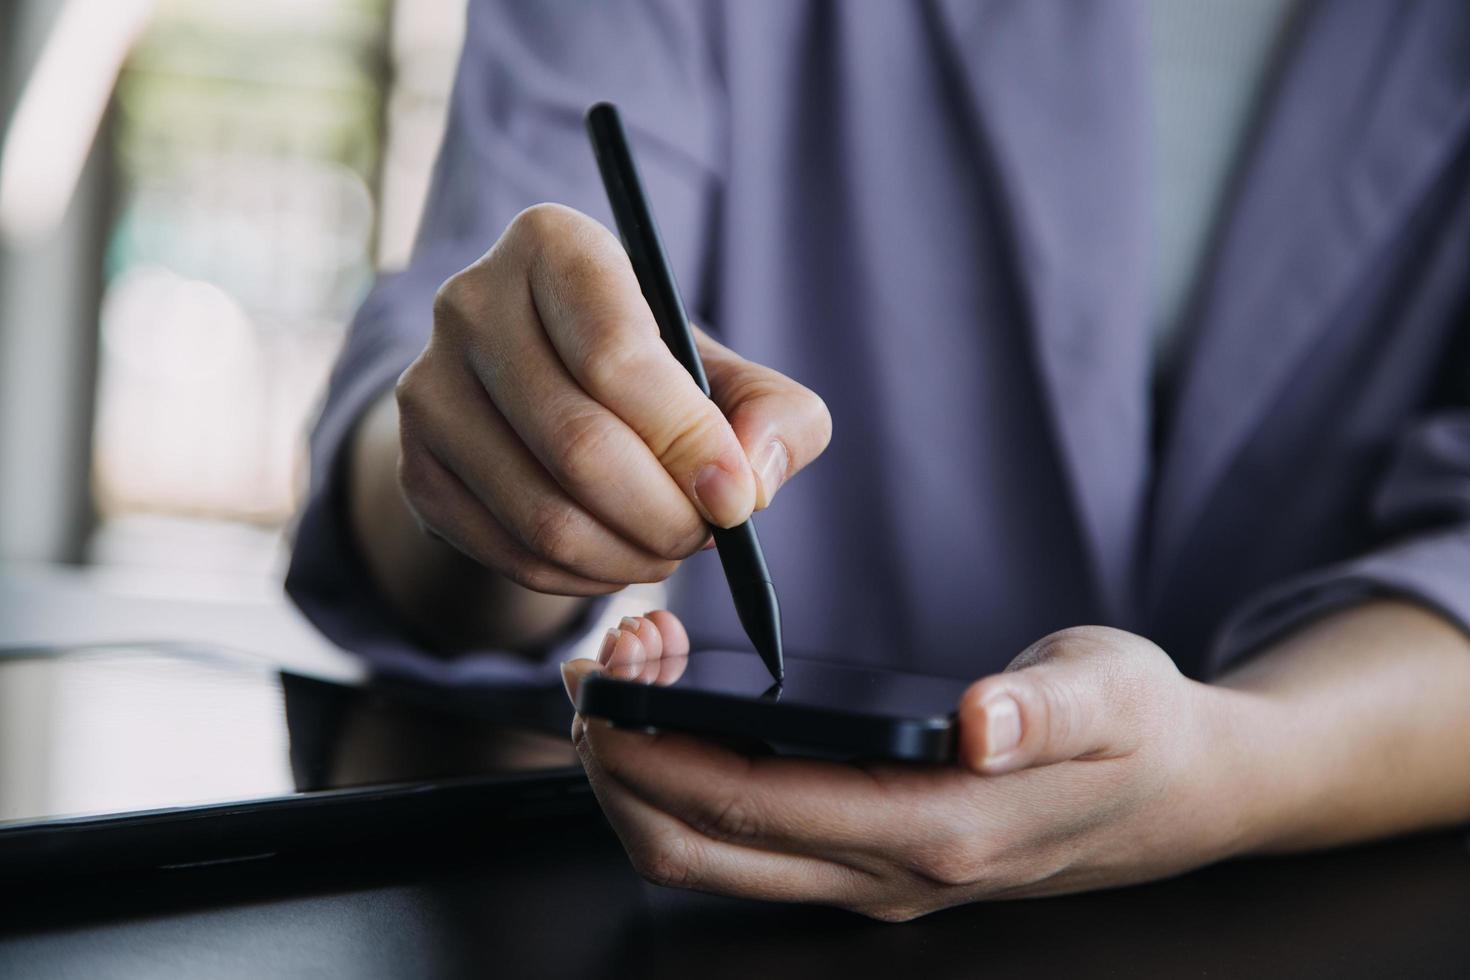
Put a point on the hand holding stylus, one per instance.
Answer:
(548, 433)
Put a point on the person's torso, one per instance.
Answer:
(937, 216)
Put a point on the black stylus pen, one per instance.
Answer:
(740, 550)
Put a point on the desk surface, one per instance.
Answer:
(563, 903)
(49, 605)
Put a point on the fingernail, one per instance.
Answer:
(1002, 727)
(718, 493)
(569, 680)
(773, 467)
(709, 543)
(629, 623)
(609, 640)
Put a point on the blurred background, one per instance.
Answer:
(194, 197)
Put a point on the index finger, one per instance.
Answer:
(596, 318)
(799, 806)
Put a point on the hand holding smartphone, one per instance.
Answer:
(823, 710)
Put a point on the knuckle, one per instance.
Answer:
(651, 571)
(677, 550)
(666, 860)
(581, 263)
(1047, 648)
(562, 245)
(608, 361)
(693, 440)
(1126, 678)
(452, 301)
(750, 384)
(411, 390)
(537, 224)
(415, 476)
(1058, 713)
(554, 531)
(732, 818)
(1088, 641)
(953, 860)
(528, 573)
(1082, 718)
(660, 571)
(580, 445)
(680, 533)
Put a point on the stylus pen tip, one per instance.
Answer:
(773, 661)
(760, 614)
(766, 635)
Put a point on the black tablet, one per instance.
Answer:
(132, 756)
(823, 709)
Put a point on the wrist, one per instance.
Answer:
(1240, 744)
(450, 602)
(1354, 727)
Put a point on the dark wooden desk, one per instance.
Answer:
(564, 904)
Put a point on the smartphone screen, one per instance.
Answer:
(808, 683)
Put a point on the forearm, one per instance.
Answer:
(1355, 727)
(452, 602)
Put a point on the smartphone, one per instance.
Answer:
(823, 709)
(127, 756)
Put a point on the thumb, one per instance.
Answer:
(782, 425)
(1072, 695)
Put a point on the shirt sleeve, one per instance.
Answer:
(1423, 510)
(514, 138)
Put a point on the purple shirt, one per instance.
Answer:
(937, 215)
